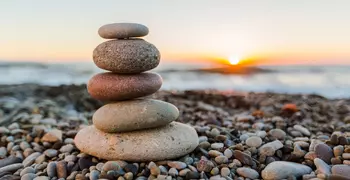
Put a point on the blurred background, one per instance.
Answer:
(279, 46)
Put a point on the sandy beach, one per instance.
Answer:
(232, 128)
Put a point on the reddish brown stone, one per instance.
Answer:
(290, 107)
(117, 87)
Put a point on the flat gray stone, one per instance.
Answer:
(127, 56)
(11, 168)
(30, 159)
(341, 170)
(9, 160)
(122, 30)
(124, 116)
(282, 169)
(167, 142)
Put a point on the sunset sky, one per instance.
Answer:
(266, 31)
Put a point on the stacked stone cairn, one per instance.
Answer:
(130, 126)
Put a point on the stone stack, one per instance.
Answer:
(131, 127)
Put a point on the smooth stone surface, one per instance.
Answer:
(270, 148)
(118, 87)
(122, 30)
(243, 157)
(282, 169)
(254, 141)
(277, 133)
(133, 115)
(167, 142)
(302, 129)
(29, 176)
(30, 159)
(321, 166)
(342, 170)
(9, 160)
(11, 167)
(126, 56)
(324, 152)
(248, 172)
(51, 169)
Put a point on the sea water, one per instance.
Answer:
(328, 81)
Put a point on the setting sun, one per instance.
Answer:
(234, 60)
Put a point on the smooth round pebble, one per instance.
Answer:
(254, 141)
(248, 172)
(225, 172)
(167, 142)
(283, 169)
(324, 152)
(126, 56)
(342, 170)
(277, 133)
(228, 153)
(29, 176)
(27, 170)
(121, 116)
(118, 87)
(321, 166)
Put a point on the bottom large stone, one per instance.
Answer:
(162, 143)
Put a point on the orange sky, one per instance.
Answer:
(263, 32)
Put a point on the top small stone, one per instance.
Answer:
(122, 30)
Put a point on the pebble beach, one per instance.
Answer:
(241, 136)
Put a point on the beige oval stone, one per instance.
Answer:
(122, 30)
(167, 142)
(126, 56)
(133, 115)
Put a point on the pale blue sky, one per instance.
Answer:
(300, 30)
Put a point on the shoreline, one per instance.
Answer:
(232, 128)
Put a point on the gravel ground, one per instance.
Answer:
(242, 136)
